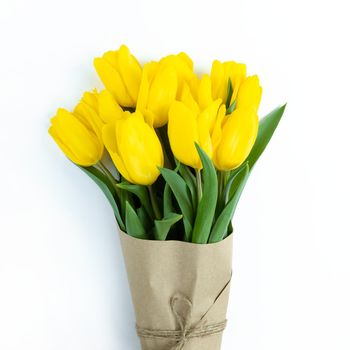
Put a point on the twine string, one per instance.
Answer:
(181, 307)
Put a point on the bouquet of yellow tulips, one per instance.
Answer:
(172, 152)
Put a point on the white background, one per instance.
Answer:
(62, 279)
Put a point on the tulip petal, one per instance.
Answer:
(89, 117)
(185, 58)
(112, 79)
(183, 134)
(130, 71)
(79, 144)
(162, 93)
(188, 100)
(109, 139)
(237, 139)
(217, 78)
(249, 93)
(108, 108)
(140, 149)
(204, 92)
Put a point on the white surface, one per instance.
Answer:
(62, 279)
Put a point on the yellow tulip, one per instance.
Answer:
(87, 111)
(189, 125)
(183, 66)
(157, 91)
(76, 138)
(220, 75)
(120, 73)
(134, 148)
(233, 137)
(108, 108)
(249, 93)
(201, 90)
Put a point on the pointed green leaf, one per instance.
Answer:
(207, 204)
(229, 92)
(267, 127)
(162, 227)
(133, 224)
(223, 221)
(144, 218)
(102, 181)
(167, 200)
(183, 197)
(190, 180)
(231, 108)
(232, 183)
(141, 192)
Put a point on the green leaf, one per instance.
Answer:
(182, 195)
(267, 127)
(207, 204)
(190, 180)
(102, 181)
(142, 194)
(223, 221)
(231, 185)
(162, 227)
(133, 224)
(229, 92)
(231, 108)
(144, 218)
(167, 200)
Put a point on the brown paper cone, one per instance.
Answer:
(180, 291)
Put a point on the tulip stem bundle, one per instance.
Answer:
(154, 203)
(183, 145)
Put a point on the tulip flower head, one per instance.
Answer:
(234, 137)
(189, 125)
(157, 91)
(249, 93)
(134, 148)
(120, 73)
(77, 136)
(220, 75)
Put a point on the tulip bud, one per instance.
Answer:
(183, 66)
(249, 93)
(120, 73)
(188, 126)
(76, 138)
(134, 148)
(220, 75)
(108, 108)
(87, 112)
(157, 91)
(236, 138)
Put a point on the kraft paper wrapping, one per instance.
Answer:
(180, 292)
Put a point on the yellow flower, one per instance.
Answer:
(233, 137)
(120, 73)
(157, 91)
(134, 148)
(249, 93)
(201, 90)
(189, 125)
(108, 108)
(220, 75)
(183, 66)
(76, 137)
(87, 111)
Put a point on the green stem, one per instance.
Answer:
(154, 203)
(107, 172)
(199, 185)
